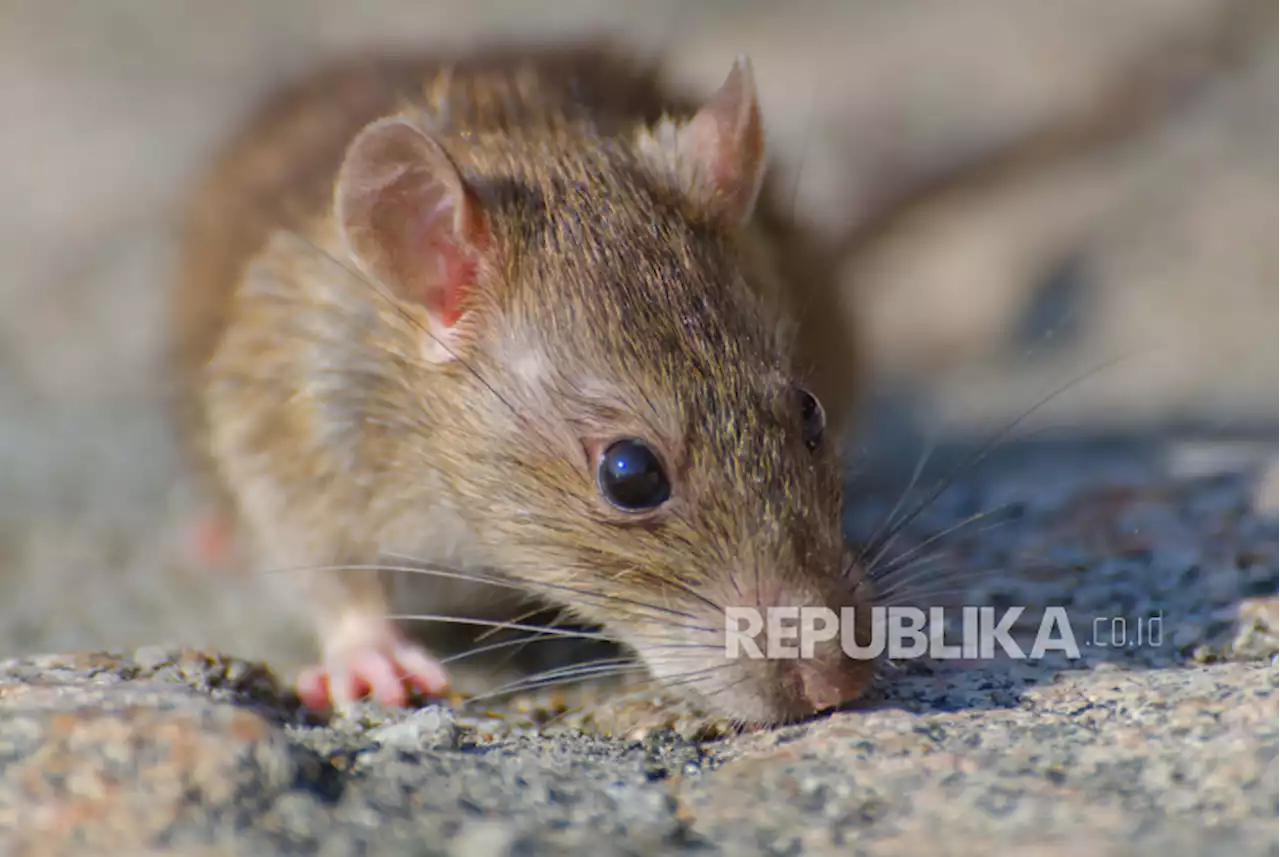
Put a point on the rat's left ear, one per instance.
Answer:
(718, 155)
(410, 220)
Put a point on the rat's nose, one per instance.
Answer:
(827, 683)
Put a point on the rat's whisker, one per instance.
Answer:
(681, 586)
(881, 572)
(713, 693)
(888, 521)
(942, 589)
(434, 571)
(927, 572)
(526, 585)
(887, 531)
(542, 681)
(484, 635)
(927, 576)
(502, 644)
(515, 626)
(887, 573)
(557, 622)
(893, 575)
(756, 565)
(733, 579)
(688, 677)
(655, 688)
(577, 668)
(536, 585)
(986, 449)
(590, 669)
(931, 563)
(960, 586)
(647, 686)
(473, 577)
(644, 685)
(491, 623)
(1015, 572)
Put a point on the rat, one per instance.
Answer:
(531, 317)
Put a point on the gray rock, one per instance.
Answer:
(100, 757)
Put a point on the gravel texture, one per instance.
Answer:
(102, 755)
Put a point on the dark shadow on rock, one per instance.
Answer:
(1148, 546)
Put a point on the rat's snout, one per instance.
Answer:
(791, 644)
(797, 677)
(828, 682)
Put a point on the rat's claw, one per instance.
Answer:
(383, 673)
(312, 687)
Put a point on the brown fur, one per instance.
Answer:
(611, 303)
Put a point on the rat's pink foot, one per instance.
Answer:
(383, 672)
(210, 539)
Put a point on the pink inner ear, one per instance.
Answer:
(411, 220)
(725, 140)
(455, 273)
(724, 157)
(439, 266)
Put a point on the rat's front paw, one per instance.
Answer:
(209, 540)
(383, 671)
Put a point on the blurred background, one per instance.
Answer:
(1024, 191)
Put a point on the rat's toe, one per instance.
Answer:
(375, 675)
(312, 687)
(209, 539)
(383, 674)
(422, 671)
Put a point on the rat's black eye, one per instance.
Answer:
(631, 476)
(812, 419)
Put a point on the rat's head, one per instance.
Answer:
(635, 441)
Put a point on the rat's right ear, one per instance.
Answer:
(410, 221)
(717, 156)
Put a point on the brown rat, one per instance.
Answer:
(528, 317)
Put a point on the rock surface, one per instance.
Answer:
(196, 754)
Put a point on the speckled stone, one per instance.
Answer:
(1121, 754)
(189, 753)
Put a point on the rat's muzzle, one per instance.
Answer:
(794, 651)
